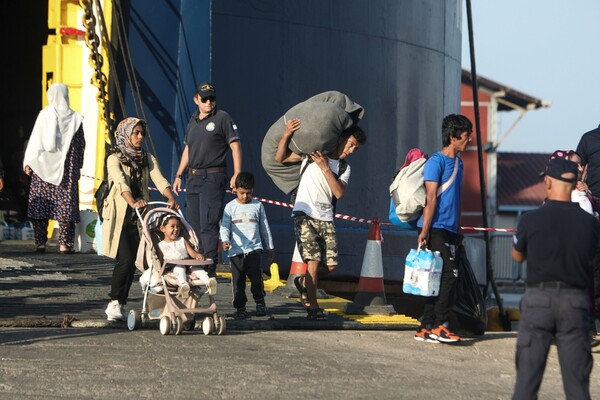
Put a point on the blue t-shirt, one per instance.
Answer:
(439, 169)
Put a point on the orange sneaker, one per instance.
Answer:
(444, 335)
(424, 335)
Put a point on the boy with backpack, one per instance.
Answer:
(439, 223)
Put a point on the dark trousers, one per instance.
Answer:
(122, 276)
(243, 266)
(204, 208)
(437, 308)
(66, 232)
(561, 315)
(595, 290)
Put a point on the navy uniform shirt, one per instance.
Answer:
(589, 151)
(208, 139)
(560, 241)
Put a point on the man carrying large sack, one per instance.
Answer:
(324, 117)
(323, 180)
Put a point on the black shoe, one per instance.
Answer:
(261, 310)
(211, 270)
(240, 313)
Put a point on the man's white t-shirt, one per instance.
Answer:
(314, 196)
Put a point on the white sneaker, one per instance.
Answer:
(184, 290)
(212, 286)
(113, 311)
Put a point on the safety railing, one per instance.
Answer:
(501, 257)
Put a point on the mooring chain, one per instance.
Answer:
(97, 61)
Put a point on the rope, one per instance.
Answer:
(131, 75)
(96, 61)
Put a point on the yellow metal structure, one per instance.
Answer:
(66, 59)
(62, 54)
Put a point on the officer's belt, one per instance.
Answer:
(203, 171)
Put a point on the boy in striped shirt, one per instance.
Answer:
(245, 233)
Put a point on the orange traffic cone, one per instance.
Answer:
(297, 268)
(370, 297)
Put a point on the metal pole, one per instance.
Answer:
(490, 272)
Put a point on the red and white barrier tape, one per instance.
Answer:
(340, 216)
(343, 216)
(472, 228)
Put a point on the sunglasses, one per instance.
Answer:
(211, 98)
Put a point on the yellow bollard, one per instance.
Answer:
(273, 282)
(51, 224)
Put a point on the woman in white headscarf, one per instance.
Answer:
(53, 159)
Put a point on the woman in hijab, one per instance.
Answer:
(129, 169)
(53, 159)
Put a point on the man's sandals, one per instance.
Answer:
(299, 283)
(314, 314)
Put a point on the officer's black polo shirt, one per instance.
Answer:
(560, 240)
(589, 151)
(208, 139)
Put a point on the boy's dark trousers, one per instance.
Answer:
(242, 266)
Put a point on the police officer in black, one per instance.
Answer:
(209, 135)
(559, 241)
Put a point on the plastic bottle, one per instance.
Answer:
(409, 271)
(425, 268)
(436, 274)
(98, 237)
(3, 230)
(26, 232)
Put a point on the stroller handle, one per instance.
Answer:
(156, 203)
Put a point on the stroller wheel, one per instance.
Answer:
(134, 320)
(208, 325)
(221, 325)
(178, 325)
(189, 325)
(165, 326)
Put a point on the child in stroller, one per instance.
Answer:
(164, 298)
(176, 247)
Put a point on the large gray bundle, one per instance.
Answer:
(323, 117)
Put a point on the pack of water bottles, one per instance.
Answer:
(422, 272)
(16, 231)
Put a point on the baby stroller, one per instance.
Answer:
(161, 299)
